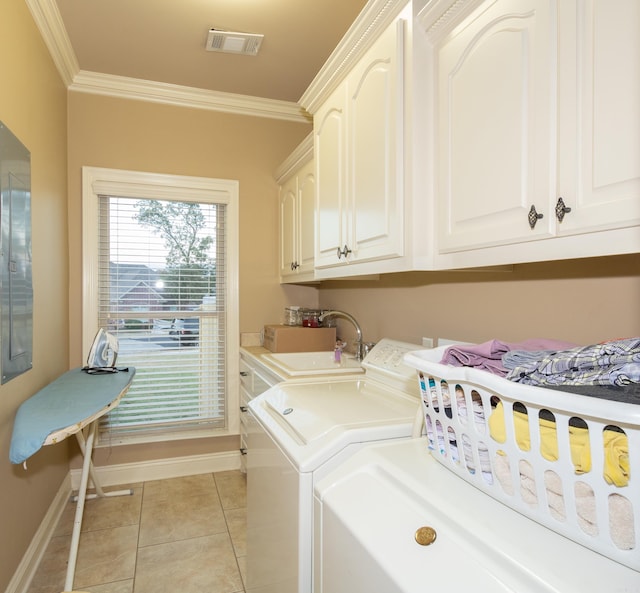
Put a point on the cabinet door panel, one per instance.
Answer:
(306, 224)
(329, 125)
(599, 156)
(288, 215)
(375, 145)
(495, 88)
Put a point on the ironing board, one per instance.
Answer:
(72, 404)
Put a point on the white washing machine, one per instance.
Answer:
(391, 519)
(298, 432)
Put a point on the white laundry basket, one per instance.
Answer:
(547, 454)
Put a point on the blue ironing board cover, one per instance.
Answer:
(71, 401)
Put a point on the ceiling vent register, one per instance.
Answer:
(234, 43)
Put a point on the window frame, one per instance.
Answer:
(98, 181)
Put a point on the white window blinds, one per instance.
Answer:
(161, 291)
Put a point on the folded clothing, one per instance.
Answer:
(488, 355)
(626, 394)
(615, 443)
(615, 362)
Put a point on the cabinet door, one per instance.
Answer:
(331, 158)
(306, 218)
(375, 146)
(495, 90)
(599, 114)
(288, 226)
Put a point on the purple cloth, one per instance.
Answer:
(488, 355)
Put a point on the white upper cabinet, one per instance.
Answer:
(537, 111)
(473, 133)
(297, 202)
(331, 164)
(359, 164)
(496, 82)
(599, 114)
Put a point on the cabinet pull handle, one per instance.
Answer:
(534, 217)
(243, 450)
(294, 266)
(244, 374)
(345, 251)
(243, 408)
(561, 209)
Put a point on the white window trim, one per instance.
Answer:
(134, 184)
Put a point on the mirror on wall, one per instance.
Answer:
(16, 303)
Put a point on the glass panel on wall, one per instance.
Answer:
(17, 290)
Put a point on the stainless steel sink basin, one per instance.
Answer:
(313, 363)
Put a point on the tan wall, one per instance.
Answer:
(33, 106)
(584, 301)
(141, 136)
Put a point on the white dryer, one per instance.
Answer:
(298, 432)
(392, 519)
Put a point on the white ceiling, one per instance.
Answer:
(163, 41)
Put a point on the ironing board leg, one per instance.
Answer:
(86, 446)
(100, 493)
(82, 491)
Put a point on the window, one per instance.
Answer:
(160, 265)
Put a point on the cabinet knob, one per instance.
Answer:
(294, 266)
(344, 252)
(243, 408)
(534, 217)
(244, 374)
(243, 450)
(561, 209)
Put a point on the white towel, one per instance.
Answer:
(620, 508)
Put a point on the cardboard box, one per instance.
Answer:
(289, 338)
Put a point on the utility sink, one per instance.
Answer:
(313, 363)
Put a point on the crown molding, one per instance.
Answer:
(438, 17)
(184, 96)
(375, 17)
(49, 22)
(300, 155)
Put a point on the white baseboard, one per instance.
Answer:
(111, 475)
(162, 469)
(29, 564)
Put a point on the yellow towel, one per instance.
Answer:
(616, 447)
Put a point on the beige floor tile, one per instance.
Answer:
(205, 564)
(242, 565)
(185, 534)
(232, 487)
(118, 587)
(180, 518)
(237, 526)
(156, 490)
(52, 570)
(104, 513)
(106, 556)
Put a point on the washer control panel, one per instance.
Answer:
(387, 357)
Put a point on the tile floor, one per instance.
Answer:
(181, 535)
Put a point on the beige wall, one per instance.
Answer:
(33, 106)
(141, 136)
(584, 301)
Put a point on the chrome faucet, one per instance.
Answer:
(360, 353)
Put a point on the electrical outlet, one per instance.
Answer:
(427, 342)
